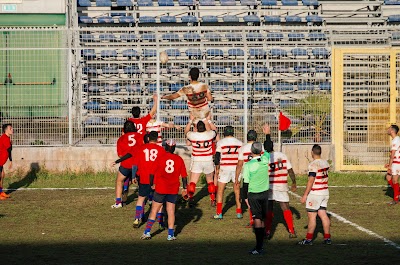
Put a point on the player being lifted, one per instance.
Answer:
(166, 182)
(156, 125)
(5, 154)
(141, 122)
(202, 156)
(393, 167)
(198, 95)
(226, 159)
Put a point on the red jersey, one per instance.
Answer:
(126, 144)
(169, 168)
(5, 144)
(146, 156)
(141, 123)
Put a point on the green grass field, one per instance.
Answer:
(79, 227)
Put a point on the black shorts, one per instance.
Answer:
(127, 172)
(144, 190)
(258, 204)
(1, 169)
(161, 198)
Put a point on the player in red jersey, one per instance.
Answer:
(166, 183)
(145, 158)
(129, 140)
(198, 95)
(202, 157)
(5, 154)
(141, 122)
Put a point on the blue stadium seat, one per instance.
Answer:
(272, 19)
(257, 52)
(133, 88)
(84, 3)
(166, 3)
(87, 37)
(299, 52)
(113, 105)
(323, 69)
(149, 53)
(254, 36)
(124, 3)
(89, 70)
(248, 2)
(104, 20)
(325, 86)
(134, 69)
(212, 36)
(314, 19)
(283, 86)
(228, 2)
(181, 120)
(215, 52)
(170, 36)
(392, 2)
(233, 36)
(258, 69)
(112, 88)
(251, 19)
(126, 19)
(278, 52)
(147, 19)
(115, 120)
(240, 105)
(396, 35)
(93, 120)
(118, 14)
(107, 37)
(149, 36)
(85, 19)
(274, 36)
(266, 104)
(193, 52)
(310, 2)
(91, 88)
(394, 18)
(189, 19)
(89, 53)
(209, 19)
(262, 87)
(179, 104)
(238, 87)
(152, 87)
(269, 2)
(168, 19)
(289, 2)
(305, 86)
(92, 105)
(280, 69)
(207, 2)
(316, 36)
(103, 2)
(173, 52)
(175, 86)
(235, 52)
(295, 36)
(301, 69)
(109, 70)
(128, 37)
(225, 120)
(320, 52)
(285, 103)
(144, 2)
(186, 2)
(293, 19)
(237, 69)
(222, 104)
(130, 53)
(191, 36)
(219, 87)
(217, 69)
(230, 19)
(108, 53)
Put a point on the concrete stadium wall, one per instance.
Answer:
(58, 159)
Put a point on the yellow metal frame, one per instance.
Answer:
(337, 101)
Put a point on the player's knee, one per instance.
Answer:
(191, 188)
(211, 187)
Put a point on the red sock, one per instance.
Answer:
(191, 189)
(251, 217)
(326, 236)
(287, 214)
(219, 207)
(390, 183)
(309, 236)
(238, 210)
(396, 191)
(211, 190)
(268, 221)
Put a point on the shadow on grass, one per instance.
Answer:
(185, 215)
(229, 202)
(279, 219)
(27, 180)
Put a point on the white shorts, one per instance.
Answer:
(315, 202)
(200, 113)
(395, 169)
(205, 167)
(226, 176)
(278, 196)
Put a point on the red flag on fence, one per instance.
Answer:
(284, 122)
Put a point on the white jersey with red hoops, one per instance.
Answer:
(278, 171)
(320, 168)
(245, 152)
(155, 126)
(201, 145)
(196, 99)
(395, 146)
(229, 150)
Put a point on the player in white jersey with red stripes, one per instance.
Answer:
(202, 157)
(316, 196)
(393, 167)
(226, 159)
(157, 126)
(198, 96)
(279, 170)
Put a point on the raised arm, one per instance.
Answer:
(171, 96)
(154, 108)
(187, 128)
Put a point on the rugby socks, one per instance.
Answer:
(268, 221)
(327, 236)
(219, 207)
(390, 182)
(139, 212)
(191, 189)
(1, 189)
(238, 210)
(251, 217)
(160, 218)
(287, 214)
(149, 225)
(211, 190)
(118, 201)
(259, 231)
(170, 231)
(396, 192)
(126, 184)
(310, 236)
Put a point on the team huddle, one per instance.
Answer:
(263, 173)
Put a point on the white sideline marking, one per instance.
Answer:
(367, 231)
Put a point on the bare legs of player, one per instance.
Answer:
(312, 222)
(119, 182)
